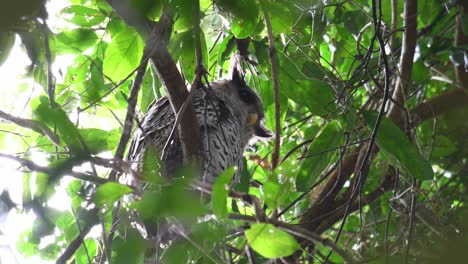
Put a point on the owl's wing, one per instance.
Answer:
(153, 130)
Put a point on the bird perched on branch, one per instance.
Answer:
(229, 113)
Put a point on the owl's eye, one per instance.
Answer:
(246, 96)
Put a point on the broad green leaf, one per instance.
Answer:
(151, 167)
(320, 153)
(173, 200)
(312, 70)
(225, 49)
(245, 16)
(243, 27)
(82, 16)
(75, 41)
(271, 242)
(314, 94)
(354, 21)
(123, 54)
(86, 252)
(220, 193)
(148, 90)
(109, 193)
(185, 19)
(99, 140)
(64, 220)
(73, 190)
(130, 250)
(244, 182)
(420, 72)
(56, 117)
(282, 16)
(177, 252)
(182, 48)
(396, 144)
(274, 194)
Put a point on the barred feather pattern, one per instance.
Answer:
(223, 110)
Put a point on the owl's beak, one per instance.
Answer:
(252, 119)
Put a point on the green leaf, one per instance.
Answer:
(56, 117)
(109, 193)
(148, 88)
(225, 49)
(75, 41)
(123, 54)
(282, 16)
(245, 16)
(244, 182)
(86, 252)
(82, 16)
(220, 193)
(185, 19)
(274, 194)
(172, 200)
(130, 250)
(420, 72)
(271, 242)
(243, 27)
(315, 94)
(99, 140)
(328, 138)
(397, 145)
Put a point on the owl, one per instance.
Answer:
(230, 115)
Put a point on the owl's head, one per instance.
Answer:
(247, 101)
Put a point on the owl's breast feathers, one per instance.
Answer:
(225, 130)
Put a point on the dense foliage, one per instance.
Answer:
(367, 100)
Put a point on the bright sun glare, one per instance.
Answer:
(16, 92)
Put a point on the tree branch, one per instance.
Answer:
(276, 87)
(172, 80)
(130, 116)
(403, 83)
(34, 125)
(35, 167)
(460, 40)
(440, 104)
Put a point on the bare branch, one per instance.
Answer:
(403, 83)
(130, 116)
(172, 80)
(78, 241)
(30, 165)
(460, 40)
(50, 76)
(275, 78)
(35, 125)
(394, 25)
(440, 104)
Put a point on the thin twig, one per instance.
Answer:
(34, 125)
(32, 166)
(76, 243)
(48, 57)
(130, 116)
(276, 86)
